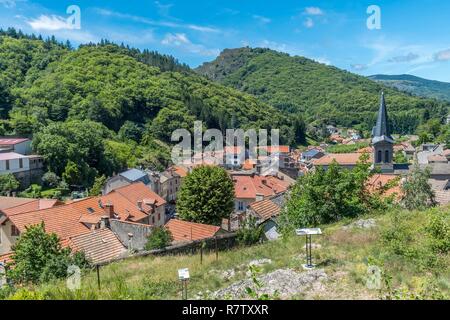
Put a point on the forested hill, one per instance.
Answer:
(325, 94)
(104, 107)
(416, 86)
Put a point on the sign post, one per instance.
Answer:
(183, 275)
(309, 233)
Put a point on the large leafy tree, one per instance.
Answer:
(418, 193)
(326, 196)
(206, 196)
(38, 257)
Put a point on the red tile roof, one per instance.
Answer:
(99, 246)
(248, 187)
(33, 205)
(379, 181)
(276, 149)
(341, 158)
(67, 220)
(188, 231)
(9, 202)
(265, 209)
(12, 141)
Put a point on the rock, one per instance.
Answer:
(283, 283)
(362, 224)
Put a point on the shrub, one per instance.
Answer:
(159, 239)
(38, 257)
(250, 233)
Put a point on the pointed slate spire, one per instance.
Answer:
(381, 132)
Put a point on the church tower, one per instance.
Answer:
(382, 141)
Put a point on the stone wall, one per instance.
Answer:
(139, 233)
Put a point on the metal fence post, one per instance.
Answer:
(98, 277)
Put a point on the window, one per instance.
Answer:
(241, 206)
(153, 220)
(159, 216)
(7, 164)
(20, 163)
(14, 231)
(386, 158)
(380, 157)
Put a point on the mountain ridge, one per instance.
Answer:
(323, 94)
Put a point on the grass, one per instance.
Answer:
(345, 255)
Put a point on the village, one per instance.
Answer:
(117, 224)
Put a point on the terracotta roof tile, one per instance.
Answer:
(248, 187)
(9, 202)
(99, 246)
(31, 206)
(341, 158)
(265, 209)
(188, 231)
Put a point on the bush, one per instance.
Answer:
(38, 257)
(159, 239)
(251, 233)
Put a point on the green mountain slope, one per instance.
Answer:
(126, 104)
(322, 93)
(416, 86)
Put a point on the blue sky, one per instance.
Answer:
(414, 35)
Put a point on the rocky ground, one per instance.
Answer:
(282, 283)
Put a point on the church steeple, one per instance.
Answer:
(382, 141)
(382, 132)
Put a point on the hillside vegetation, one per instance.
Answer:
(322, 93)
(416, 86)
(409, 248)
(128, 103)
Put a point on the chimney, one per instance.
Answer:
(130, 242)
(104, 223)
(109, 210)
(259, 197)
(139, 204)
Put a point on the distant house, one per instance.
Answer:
(312, 154)
(126, 178)
(12, 206)
(282, 153)
(251, 188)
(344, 160)
(17, 145)
(170, 183)
(184, 231)
(266, 212)
(26, 169)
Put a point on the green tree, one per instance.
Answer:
(72, 174)
(8, 184)
(97, 188)
(160, 238)
(50, 180)
(418, 193)
(206, 196)
(38, 257)
(250, 233)
(326, 196)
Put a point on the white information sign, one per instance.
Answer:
(309, 232)
(183, 274)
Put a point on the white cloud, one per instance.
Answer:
(262, 19)
(322, 60)
(10, 3)
(167, 24)
(359, 67)
(314, 11)
(309, 23)
(163, 9)
(50, 23)
(442, 55)
(180, 40)
(404, 58)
